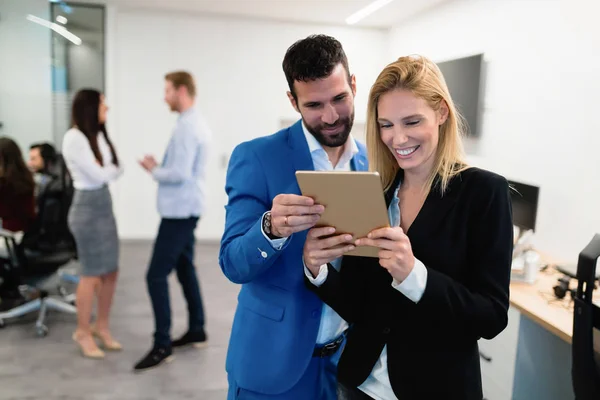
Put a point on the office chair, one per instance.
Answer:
(43, 268)
(46, 247)
(586, 326)
(50, 230)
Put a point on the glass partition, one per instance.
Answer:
(78, 53)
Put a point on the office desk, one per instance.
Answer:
(540, 352)
(537, 302)
(531, 358)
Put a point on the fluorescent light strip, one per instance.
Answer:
(61, 30)
(368, 10)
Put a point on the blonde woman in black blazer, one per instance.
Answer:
(441, 281)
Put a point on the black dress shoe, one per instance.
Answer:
(154, 358)
(195, 339)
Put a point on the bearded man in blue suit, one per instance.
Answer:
(285, 342)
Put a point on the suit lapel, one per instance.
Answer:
(299, 148)
(359, 162)
(435, 209)
(299, 154)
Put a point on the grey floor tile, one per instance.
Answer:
(51, 368)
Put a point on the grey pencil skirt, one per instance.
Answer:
(92, 222)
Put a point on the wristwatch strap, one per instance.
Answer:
(266, 226)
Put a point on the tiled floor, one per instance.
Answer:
(51, 368)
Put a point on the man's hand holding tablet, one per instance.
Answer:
(291, 213)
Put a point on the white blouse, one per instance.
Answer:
(85, 171)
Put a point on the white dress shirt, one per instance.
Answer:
(182, 174)
(377, 385)
(331, 325)
(85, 171)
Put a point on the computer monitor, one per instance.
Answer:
(524, 205)
(464, 79)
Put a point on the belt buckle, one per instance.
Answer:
(330, 346)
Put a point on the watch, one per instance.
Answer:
(266, 226)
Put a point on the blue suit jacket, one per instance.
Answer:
(277, 319)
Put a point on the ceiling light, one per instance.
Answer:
(61, 20)
(61, 30)
(366, 11)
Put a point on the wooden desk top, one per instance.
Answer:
(538, 303)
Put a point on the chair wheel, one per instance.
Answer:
(41, 330)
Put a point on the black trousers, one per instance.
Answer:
(174, 250)
(346, 393)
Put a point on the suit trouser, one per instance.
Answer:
(174, 249)
(319, 382)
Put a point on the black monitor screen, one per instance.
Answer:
(463, 77)
(524, 204)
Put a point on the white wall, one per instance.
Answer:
(540, 121)
(241, 91)
(25, 74)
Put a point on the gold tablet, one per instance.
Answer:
(354, 203)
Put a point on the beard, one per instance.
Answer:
(337, 140)
(173, 105)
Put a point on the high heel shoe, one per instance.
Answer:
(110, 344)
(96, 353)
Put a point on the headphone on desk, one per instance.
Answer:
(562, 288)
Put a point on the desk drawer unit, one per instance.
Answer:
(497, 357)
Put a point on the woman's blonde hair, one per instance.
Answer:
(423, 79)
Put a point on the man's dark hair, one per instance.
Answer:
(313, 58)
(47, 151)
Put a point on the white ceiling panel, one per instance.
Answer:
(333, 12)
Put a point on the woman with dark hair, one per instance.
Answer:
(93, 163)
(17, 211)
(17, 204)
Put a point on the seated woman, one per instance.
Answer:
(441, 281)
(17, 204)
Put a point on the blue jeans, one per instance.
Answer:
(319, 382)
(174, 249)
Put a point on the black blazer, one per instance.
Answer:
(465, 240)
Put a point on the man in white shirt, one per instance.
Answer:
(42, 159)
(181, 195)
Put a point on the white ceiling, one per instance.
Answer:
(331, 12)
